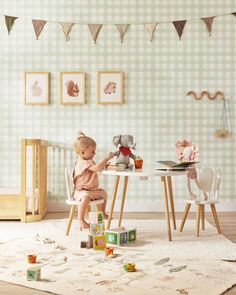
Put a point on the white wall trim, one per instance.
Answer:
(146, 206)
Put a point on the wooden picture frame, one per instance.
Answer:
(110, 87)
(72, 88)
(36, 88)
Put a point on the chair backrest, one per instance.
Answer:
(203, 182)
(205, 178)
(216, 184)
(69, 185)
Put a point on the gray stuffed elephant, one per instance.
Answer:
(125, 143)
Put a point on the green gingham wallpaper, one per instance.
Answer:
(157, 76)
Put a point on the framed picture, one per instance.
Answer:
(109, 87)
(36, 88)
(72, 88)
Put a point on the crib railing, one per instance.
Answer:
(33, 179)
(42, 175)
(60, 156)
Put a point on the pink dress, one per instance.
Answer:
(86, 181)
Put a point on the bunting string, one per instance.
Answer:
(179, 25)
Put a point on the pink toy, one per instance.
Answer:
(186, 151)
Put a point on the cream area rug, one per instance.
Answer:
(187, 265)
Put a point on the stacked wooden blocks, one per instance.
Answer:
(96, 238)
(120, 236)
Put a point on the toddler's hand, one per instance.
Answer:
(109, 156)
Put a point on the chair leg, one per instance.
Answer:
(72, 211)
(213, 209)
(203, 217)
(198, 220)
(187, 207)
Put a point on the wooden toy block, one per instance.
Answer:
(132, 235)
(120, 236)
(117, 167)
(83, 244)
(34, 273)
(99, 242)
(90, 242)
(95, 217)
(96, 229)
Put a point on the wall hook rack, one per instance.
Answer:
(219, 94)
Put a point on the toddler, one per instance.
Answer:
(85, 179)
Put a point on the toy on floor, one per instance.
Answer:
(109, 250)
(120, 236)
(130, 267)
(96, 237)
(32, 258)
(125, 143)
(34, 273)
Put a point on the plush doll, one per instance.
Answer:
(186, 151)
(125, 143)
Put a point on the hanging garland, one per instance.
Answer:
(95, 29)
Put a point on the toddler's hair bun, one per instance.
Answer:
(80, 134)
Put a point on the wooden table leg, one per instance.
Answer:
(171, 200)
(164, 193)
(116, 184)
(123, 199)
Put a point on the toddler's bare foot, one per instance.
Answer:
(84, 224)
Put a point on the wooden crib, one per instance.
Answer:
(28, 202)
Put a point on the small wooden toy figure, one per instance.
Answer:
(130, 267)
(125, 143)
(108, 251)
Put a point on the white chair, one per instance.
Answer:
(73, 203)
(208, 183)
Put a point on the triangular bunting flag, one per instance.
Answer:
(9, 20)
(38, 26)
(234, 13)
(208, 21)
(151, 28)
(179, 26)
(94, 30)
(122, 30)
(66, 28)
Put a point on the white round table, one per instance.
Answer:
(166, 180)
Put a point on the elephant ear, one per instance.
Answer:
(116, 140)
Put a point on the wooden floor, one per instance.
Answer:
(228, 227)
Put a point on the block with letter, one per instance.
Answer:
(120, 236)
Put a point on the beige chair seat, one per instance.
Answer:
(91, 203)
